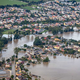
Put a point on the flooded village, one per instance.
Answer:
(30, 55)
(41, 44)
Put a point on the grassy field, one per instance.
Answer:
(34, 5)
(77, 0)
(34, 0)
(11, 2)
(7, 31)
(29, 7)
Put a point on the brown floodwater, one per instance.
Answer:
(17, 43)
(29, 39)
(71, 35)
(60, 67)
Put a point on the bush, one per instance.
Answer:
(46, 59)
(28, 63)
(25, 45)
(54, 54)
(37, 41)
(24, 49)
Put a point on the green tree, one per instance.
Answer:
(32, 31)
(12, 77)
(16, 50)
(25, 45)
(37, 41)
(17, 34)
(49, 37)
(1, 33)
(3, 79)
(46, 59)
(13, 58)
(36, 79)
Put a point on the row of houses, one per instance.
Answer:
(51, 10)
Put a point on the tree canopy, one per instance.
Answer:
(37, 41)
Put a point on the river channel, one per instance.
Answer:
(60, 67)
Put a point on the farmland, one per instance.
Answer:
(11, 2)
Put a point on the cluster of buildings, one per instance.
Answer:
(3, 72)
(52, 45)
(53, 13)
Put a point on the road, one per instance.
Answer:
(13, 70)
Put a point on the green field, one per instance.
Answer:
(77, 0)
(29, 7)
(34, 5)
(34, 0)
(11, 2)
(8, 31)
